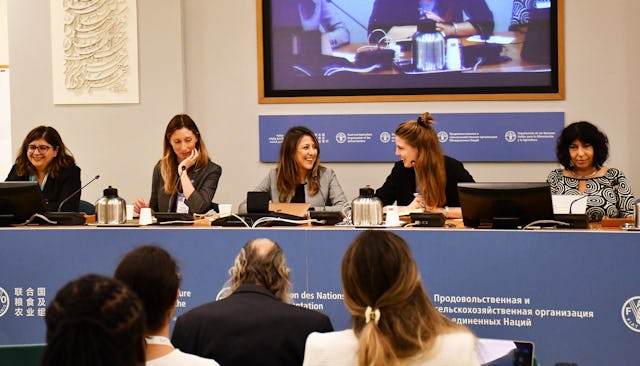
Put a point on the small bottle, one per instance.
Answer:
(454, 59)
(636, 213)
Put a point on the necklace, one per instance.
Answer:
(595, 171)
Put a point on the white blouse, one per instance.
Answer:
(341, 349)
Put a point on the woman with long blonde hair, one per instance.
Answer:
(393, 320)
(424, 178)
(185, 179)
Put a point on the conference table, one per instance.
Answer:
(574, 293)
(510, 50)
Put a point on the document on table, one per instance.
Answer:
(562, 203)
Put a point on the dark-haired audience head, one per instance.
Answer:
(262, 262)
(152, 273)
(97, 321)
(587, 133)
(391, 312)
(45, 143)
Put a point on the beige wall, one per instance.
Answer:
(633, 95)
(220, 92)
(4, 40)
(119, 142)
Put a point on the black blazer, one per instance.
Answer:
(401, 183)
(56, 189)
(250, 327)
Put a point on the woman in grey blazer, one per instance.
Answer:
(299, 177)
(185, 179)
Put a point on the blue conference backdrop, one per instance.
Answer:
(572, 293)
(469, 137)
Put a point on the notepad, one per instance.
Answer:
(569, 203)
(295, 209)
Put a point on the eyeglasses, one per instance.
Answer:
(41, 149)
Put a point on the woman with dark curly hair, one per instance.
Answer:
(44, 158)
(95, 320)
(582, 150)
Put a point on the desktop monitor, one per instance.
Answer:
(504, 205)
(19, 201)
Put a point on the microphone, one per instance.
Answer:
(574, 201)
(324, 200)
(68, 218)
(76, 192)
(175, 189)
(424, 198)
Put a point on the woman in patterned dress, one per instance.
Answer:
(582, 150)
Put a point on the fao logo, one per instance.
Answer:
(4, 302)
(443, 136)
(385, 137)
(341, 137)
(510, 136)
(631, 313)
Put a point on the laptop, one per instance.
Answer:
(19, 201)
(536, 47)
(505, 352)
(22, 354)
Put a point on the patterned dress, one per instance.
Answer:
(609, 195)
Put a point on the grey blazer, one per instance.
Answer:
(205, 181)
(329, 198)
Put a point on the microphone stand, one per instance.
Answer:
(574, 201)
(576, 221)
(424, 199)
(68, 218)
(76, 192)
(175, 189)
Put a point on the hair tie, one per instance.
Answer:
(420, 121)
(371, 314)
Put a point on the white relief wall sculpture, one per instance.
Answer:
(94, 51)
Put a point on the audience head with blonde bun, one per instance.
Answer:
(392, 315)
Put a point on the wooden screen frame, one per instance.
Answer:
(264, 96)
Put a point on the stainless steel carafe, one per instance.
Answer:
(428, 48)
(366, 209)
(111, 209)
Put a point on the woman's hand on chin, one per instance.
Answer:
(189, 161)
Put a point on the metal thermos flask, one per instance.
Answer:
(428, 47)
(366, 209)
(111, 209)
